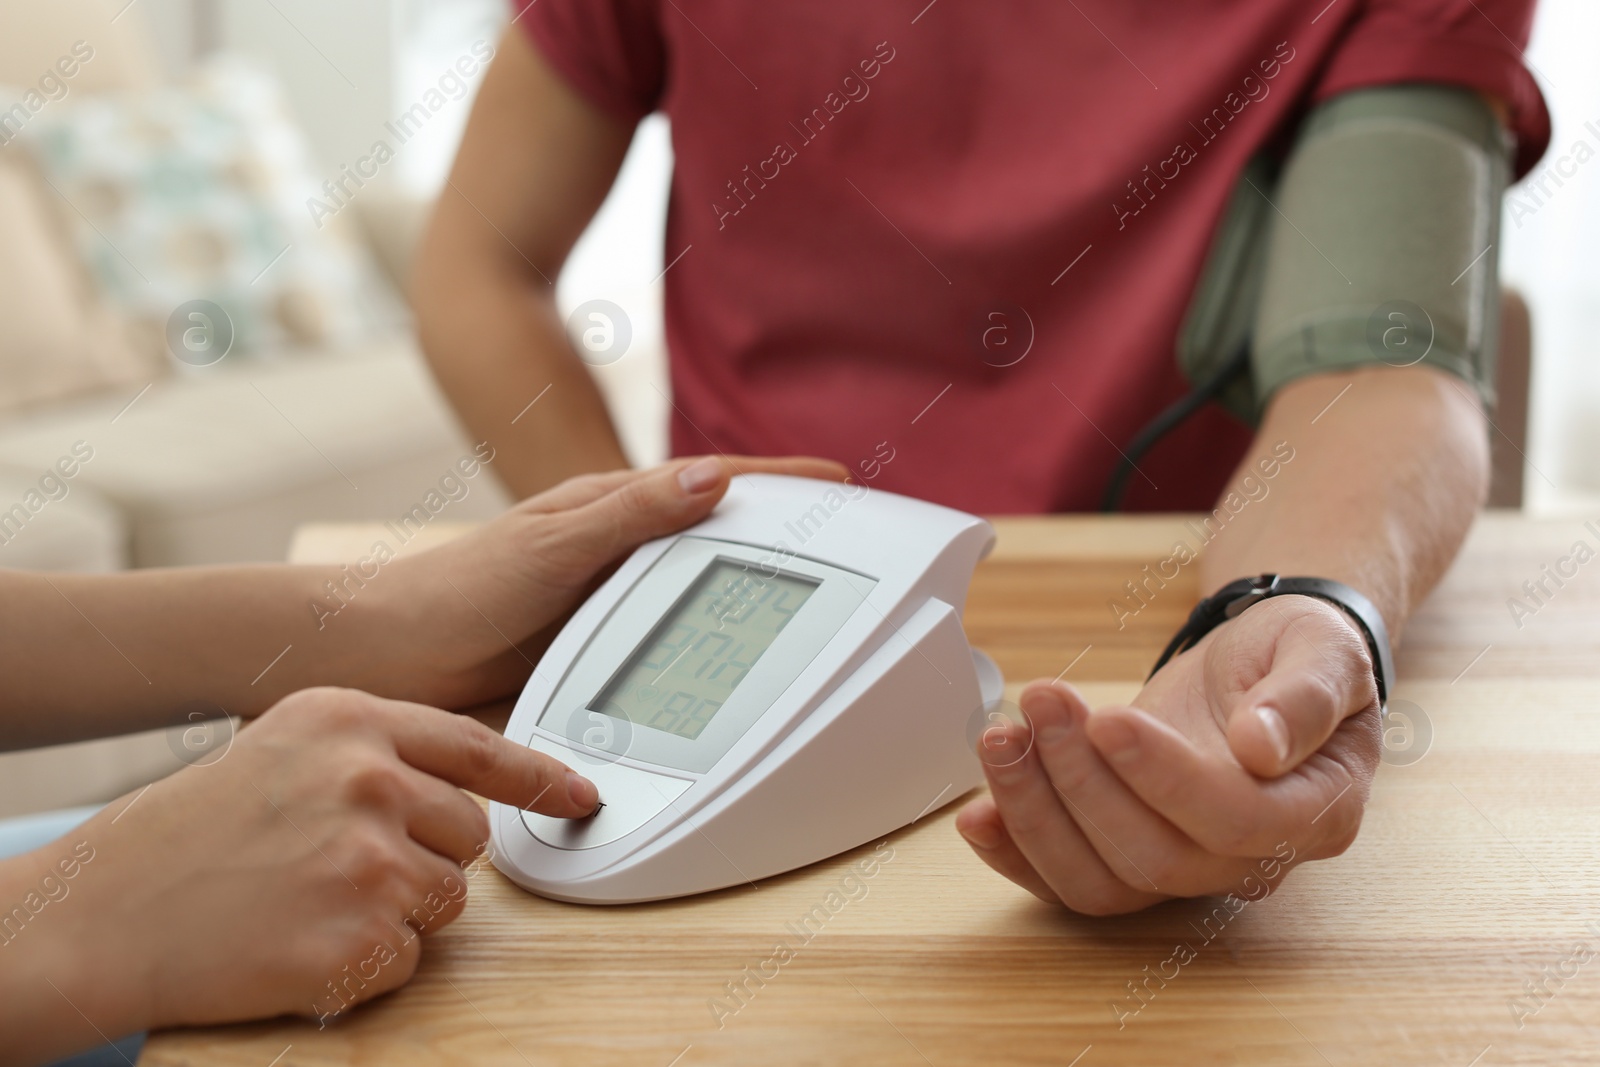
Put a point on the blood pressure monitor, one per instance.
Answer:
(780, 683)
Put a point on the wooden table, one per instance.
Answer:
(1476, 874)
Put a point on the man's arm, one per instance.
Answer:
(1382, 489)
(1254, 750)
(1390, 467)
(534, 166)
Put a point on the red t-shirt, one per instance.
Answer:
(876, 203)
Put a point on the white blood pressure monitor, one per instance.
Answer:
(782, 682)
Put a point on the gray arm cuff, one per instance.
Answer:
(1378, 245)
(1384, 249)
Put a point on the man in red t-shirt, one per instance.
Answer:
(863, 194)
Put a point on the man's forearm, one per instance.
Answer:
(498, 349)
(1389, 467)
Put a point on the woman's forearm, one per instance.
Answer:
(56, 997)
(86, 656)
(453, 626)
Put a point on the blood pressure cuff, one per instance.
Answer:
(1374, 243)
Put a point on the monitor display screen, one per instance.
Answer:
(694, 658)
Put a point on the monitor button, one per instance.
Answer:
(629, 798)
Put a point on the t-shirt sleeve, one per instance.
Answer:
(610, 51)
(1474, 44)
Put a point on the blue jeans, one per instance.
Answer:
(24, 834)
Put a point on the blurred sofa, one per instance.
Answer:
(189, 467)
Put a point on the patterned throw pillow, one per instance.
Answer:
(56, 339)
(198, 193)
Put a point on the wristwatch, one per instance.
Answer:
(1232, 600)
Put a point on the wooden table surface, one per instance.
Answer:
(1455, 933)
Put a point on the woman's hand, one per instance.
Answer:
(87, 655)
(474, 615)
(292, 875)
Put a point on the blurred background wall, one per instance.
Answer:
(1551, 232)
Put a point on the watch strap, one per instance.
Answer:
(1234, 598)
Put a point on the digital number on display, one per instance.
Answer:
(689, 665)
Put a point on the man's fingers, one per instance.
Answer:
(467, 753)
(980, 824)
(1140, 845)
(1320, 675)
(1038, 823)
(1219, 804)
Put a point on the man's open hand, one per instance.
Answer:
(1264, 735)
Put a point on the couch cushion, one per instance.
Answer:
(201, 192)
(221, 464)
(38, 35)
(51, 523)
(55, 338)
